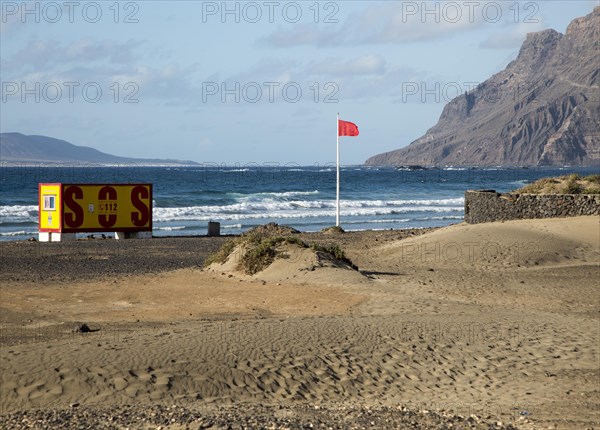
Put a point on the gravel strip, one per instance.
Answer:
(245, 417)
(101, 258)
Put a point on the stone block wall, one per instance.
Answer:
(488, 206)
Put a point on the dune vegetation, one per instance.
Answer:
(567, 184)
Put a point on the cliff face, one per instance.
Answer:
(543, 109)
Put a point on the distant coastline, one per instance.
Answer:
(17, 149)
(91, 164)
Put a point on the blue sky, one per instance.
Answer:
(243, 82)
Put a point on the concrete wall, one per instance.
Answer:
(489, 206)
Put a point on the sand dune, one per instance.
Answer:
(559, 241)
(507, 337)
(298, 266)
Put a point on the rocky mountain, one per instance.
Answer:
(543, 109)
(19, 148)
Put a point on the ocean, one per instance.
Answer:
(243, 196)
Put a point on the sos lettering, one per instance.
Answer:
(108, 213)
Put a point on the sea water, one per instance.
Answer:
(240, 197)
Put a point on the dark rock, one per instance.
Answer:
(82, 328)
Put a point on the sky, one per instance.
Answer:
(252, 82)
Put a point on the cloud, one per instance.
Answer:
(403, 22)
(364, 65)
(410, 22)
(267, 81)
(333, 79)
(45, 54)
(386, 23)
(510, 38)
(268, 69)
(301, 34)
(170, 84)
(100, 62)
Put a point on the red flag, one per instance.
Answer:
(347, 128)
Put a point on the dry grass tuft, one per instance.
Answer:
(260, 250)
(568, 184)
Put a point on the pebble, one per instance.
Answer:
(247, 416)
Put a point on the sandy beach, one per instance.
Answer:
(467, 326)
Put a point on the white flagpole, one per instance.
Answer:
(337, 210)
